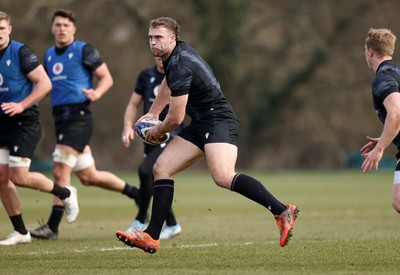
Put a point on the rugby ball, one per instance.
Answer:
(144, 125)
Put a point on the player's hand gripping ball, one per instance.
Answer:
(144, 125)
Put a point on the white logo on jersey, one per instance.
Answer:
(16, 148)
(60, 137)
(58, 68)
(70, 55)
(155, 90)
(152, 79)
(3, 89)
(8, 62)
(49, 58)
(207, 134)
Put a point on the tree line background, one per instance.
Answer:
(294, 71)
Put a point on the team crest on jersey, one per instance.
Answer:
(8, 62)
(152, 79)
(70, 55)
(58, 68)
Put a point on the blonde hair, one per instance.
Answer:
(5, 16)
(382, 41)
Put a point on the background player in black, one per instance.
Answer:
(379, 49)
(191, 86)
(23, 83)
(145, 92)
(73, 120)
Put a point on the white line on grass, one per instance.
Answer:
(105, 249)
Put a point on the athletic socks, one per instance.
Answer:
(60, 192)
(132, 192)
(162, 201)
(18, 224)
(256, 191)
(55, 217)
(145, 193)
(170, 220)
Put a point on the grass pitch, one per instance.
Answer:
(346, 226)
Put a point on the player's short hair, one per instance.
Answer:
(168, 23)
(382, 41)
(66, 14)
(5, 16)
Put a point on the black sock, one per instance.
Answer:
(132, 192)
(55, 217)
(145, 199)
(146, 187)
(60, 192)
(18, 224)
(170, 220)
(162, 201)
(256, 191)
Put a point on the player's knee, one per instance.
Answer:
(86, 179)
(157, 170)
(160, 171)
(85, 169)
(396, 205)
(19, 170)
(3, 179)
(19, 179)
(145, 172)
(57, 174)
(222, 181)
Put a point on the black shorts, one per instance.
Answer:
(148, 148)
(398, 160)
(20, 133)
(74, 125)
(211, 130)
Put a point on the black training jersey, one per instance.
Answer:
(147, 85)
(187, 73)
(386, 81)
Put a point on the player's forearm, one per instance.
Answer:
(130, 114)
(170, 123)
(160, 102)
(391, 129)
(104, 85)
(41, 89)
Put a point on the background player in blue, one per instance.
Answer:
(379, 49)
(71, 66)
(146, 90)
(23, 82)
(190, 86)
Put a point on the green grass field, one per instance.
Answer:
(346, 226)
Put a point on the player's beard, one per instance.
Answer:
(156, 52)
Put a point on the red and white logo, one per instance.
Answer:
(58, 68)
